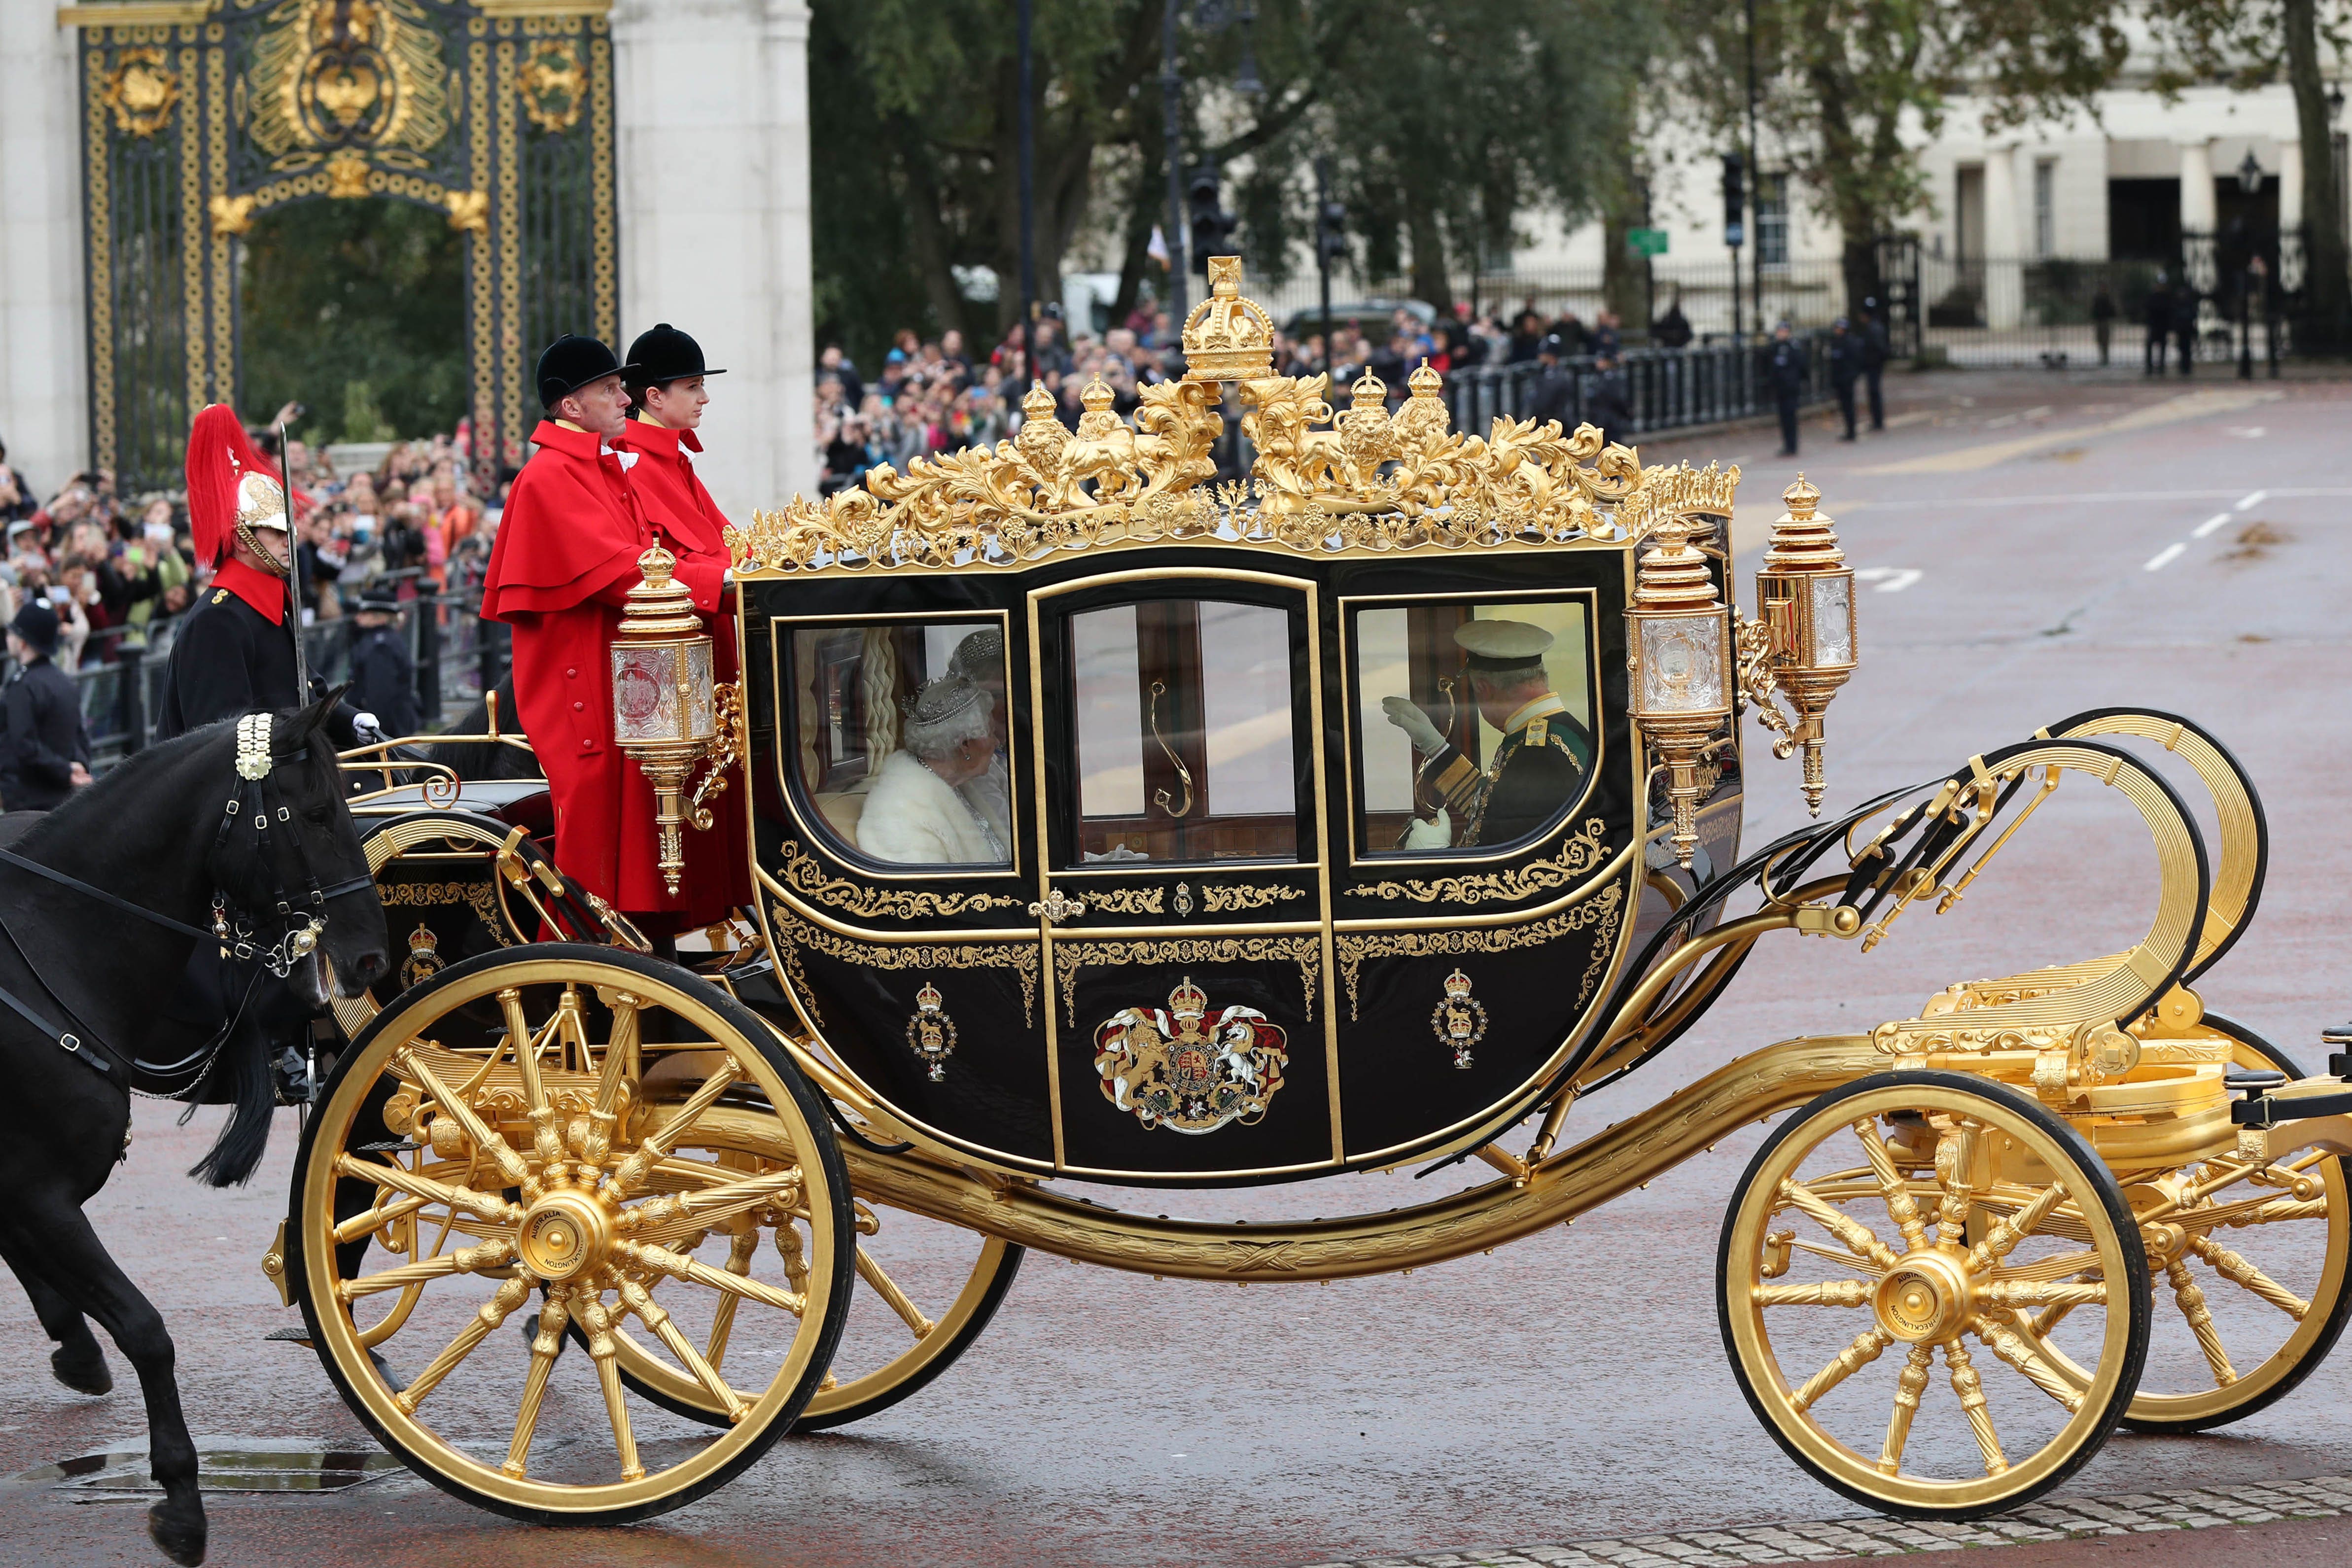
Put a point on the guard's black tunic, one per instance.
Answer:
(229, 659)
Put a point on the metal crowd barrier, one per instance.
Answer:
(457, 654)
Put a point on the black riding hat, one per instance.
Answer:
(571, 362)
(36, 623)
(664, 355)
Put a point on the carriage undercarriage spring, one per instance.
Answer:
(1228, 913)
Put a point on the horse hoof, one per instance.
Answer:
(83, 1370)
(179, 1528)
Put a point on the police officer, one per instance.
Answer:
(1784, 369)
(1845, 369)
(1538, 766)
(2156, 311)
(1876, 350)
(1555, 390)
(47, 754)
(1611, 406)
(383, 675)
(235, 652)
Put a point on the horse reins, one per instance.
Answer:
(254, 796)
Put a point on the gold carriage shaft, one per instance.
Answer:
(1113, 824)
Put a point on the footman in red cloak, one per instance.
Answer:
(566, 557)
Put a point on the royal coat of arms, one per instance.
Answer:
(1187, 1068)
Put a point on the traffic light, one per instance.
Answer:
(1330, 231)
(1735, 200)
(1212, 226)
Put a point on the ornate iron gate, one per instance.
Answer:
(199, 116)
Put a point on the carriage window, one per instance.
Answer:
(901, 743)
(1474, 722)
(1182, 713)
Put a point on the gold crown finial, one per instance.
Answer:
(1424, 382)
(1098, 396)
(1188, 1000)
(1226, 337)
(1368, 391)
(1039, 403)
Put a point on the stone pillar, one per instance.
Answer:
(712, 105)
(44, 368)
(2004, 293)
(2197, 187)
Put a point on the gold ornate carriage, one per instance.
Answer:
(1113, 824)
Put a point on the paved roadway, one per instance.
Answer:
(2075, 542)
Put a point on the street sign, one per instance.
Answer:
(1735, 235)
(1646, 241)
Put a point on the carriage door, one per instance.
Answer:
(1182, 891)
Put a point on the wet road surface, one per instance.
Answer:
(2021, 533)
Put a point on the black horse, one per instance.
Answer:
(169, 832)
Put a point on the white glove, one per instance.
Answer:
(365, 726)
(1407, 716)
(1436, 834)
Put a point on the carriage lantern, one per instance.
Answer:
(1678, 638)
(664, 711)
(1806, 592)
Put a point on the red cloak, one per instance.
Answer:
(565, 558)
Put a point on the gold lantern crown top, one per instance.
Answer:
(1674, 573)
(1226, 337)
(660, 605)
(1803, 539)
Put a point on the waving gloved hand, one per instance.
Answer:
(1407, 716)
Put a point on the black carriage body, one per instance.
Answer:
(1298, 917)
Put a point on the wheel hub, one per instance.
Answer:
(564, 1234)
(1924, 1298)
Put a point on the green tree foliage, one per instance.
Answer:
(1840, 83)
(370, 292)
(2249, 44)
(1446, 120)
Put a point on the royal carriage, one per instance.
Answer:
(577, 1230)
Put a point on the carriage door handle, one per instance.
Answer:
(1058, 906)
(1159, 797)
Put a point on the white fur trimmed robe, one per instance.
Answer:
(913, 817)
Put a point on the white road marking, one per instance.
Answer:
(1930, 503)
(2208, 525)
(1890, 578)
(2256, 499)
(2166, 557)
(2250, 432)
(2187, 405)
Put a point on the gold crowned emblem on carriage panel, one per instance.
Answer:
(930, 1033)
(1187, 1069)
(1460, 1021)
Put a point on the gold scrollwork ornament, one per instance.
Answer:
(554, 85)
(141, 90)
(1460, 1021)
(930, 1033)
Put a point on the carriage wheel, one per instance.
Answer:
(546, 1189)
(2251, 1281)
(1850, 1237)
(892, 1345)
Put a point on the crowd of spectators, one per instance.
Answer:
(118, 571)
(933, 395)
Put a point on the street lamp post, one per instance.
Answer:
(1209, 16)
(1028, 201)
(2250, 182)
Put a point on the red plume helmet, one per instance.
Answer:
(219, 458)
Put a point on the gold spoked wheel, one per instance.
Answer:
(926, 1290)
(488, 1138)
(1885, 1240)
(2250, 1271)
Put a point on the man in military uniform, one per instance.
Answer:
(235, 652)
(1538, 766)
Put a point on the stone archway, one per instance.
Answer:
(203, 114)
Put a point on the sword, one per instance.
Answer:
(293, 569)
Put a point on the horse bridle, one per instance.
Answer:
(257, 798)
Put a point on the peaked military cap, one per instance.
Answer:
(1502, 645)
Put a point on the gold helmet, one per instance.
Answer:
(260, 504)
